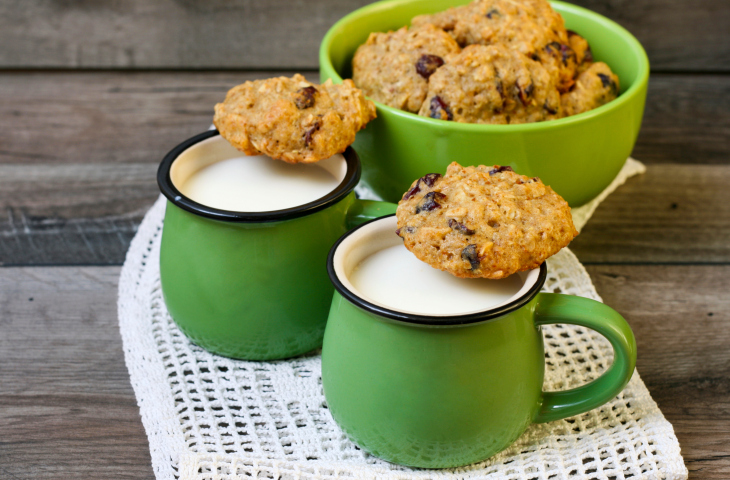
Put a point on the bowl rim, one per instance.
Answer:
(628, 96)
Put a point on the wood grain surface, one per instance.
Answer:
(166, 33)
(679, 35)
(81, 214)
(673, 214)
(68, 117)
(686, 119)
(67, 410)
(681, 318)
(138, 117)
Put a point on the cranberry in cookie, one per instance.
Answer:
(394, 67)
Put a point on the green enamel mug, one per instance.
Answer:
(251, 285)
(446, 390)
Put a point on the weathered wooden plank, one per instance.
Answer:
(681, 318)
(686, 120)
(166, 33)
(67, 409)
(679, 35)
(674, 32)
(85, 214)
(672, 214)
(137, 117)
(72, 214)
(107, 117)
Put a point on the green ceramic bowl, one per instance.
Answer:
(578, 156)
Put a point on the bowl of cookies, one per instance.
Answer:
(550, 89)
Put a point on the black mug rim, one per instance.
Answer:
(426, 320)
(168, 189)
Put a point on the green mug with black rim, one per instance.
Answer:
(252, 284)
(419, 372)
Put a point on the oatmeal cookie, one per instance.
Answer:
(292, 119)
(483, 222)
(491, 84)
(394, 67)
(596, 86)
(531, 27)
(524, 25)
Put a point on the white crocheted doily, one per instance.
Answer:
(213, 418)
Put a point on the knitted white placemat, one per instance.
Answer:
(213, 418)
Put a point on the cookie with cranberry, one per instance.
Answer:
(566, 61)
(483, 222)
(522, 25)
(530, 27)
(561, 62)
(594, 87)
(393, 68)
(491, 84)
(291, 119)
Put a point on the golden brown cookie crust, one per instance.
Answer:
(583, 54)
(531, 27)
(483, 222)
(594, 87)
(560, 61)
(525, 26)
(292, 119)
(491, 84)
(393, 67)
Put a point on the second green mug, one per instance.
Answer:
(438, 391)
(251, 285)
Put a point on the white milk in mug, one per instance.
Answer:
(242, 183)
(395, 279)
(373, 263)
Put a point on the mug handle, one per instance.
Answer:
(556, 308)
(363, 210)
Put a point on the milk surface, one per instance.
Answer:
(394, 278)
(258, 184)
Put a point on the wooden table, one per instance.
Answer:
(93, 94)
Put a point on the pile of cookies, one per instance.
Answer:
(491, 61)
